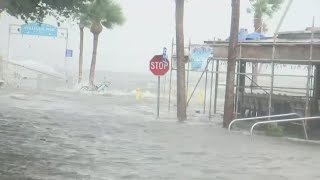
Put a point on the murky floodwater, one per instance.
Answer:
(71, 136)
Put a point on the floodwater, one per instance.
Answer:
(58, 135)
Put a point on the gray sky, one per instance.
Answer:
(149, 27)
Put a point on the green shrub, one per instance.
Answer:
(274, 130)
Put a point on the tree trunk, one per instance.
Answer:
(181, 83)
(94, 59)
(258, 23)
(96, 29)
(257, 28)
(81, 54)
(232, 55)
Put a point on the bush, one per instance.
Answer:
(274, 130)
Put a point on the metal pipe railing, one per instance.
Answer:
(34, 70)
(261, 117)
(282, 120)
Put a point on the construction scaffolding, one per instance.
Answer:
(204, 73)
(257, 99)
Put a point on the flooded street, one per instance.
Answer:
(81, 82)
(53, 135)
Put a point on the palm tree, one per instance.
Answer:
(84, 22)
(260, 9)
(101, 13)
(232, 55)
(181, 86)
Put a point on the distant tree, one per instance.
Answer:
(101, 13)
(2, 6)
(36, 10)
(260, 9)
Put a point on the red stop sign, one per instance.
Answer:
(158, 67)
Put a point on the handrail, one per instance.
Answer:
(282, 120)
(261, 117)
(34, 70)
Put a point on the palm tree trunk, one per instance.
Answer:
(181, 86)
(258, 23)
(94, 59)
(258, 28)
(232, 55)
(81, 54)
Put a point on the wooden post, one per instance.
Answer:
(216, 88)
(242, 84)
(232, 55)
(316, 90)
(181, 74)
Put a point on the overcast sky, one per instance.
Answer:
(149, 27)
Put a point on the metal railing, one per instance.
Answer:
(282, 120)
(34, 70)
(261, 117)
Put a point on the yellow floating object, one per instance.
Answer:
(200, 97)
(138, 94)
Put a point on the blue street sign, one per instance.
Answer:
(164, 54)
(37, 29)
(199, 57)
(69, 53)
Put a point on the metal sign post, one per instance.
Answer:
(158, 99)
(36, 29)
(159, 66)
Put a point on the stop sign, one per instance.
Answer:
(159, 67)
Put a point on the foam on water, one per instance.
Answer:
(70, 135)
(58, 135)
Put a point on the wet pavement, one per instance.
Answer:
(55, 135)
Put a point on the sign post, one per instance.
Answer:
(159, 67)
(158, 98)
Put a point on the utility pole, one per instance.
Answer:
(181, 79)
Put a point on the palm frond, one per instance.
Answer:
(85, 20)
(265, 7)
(107, 12)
